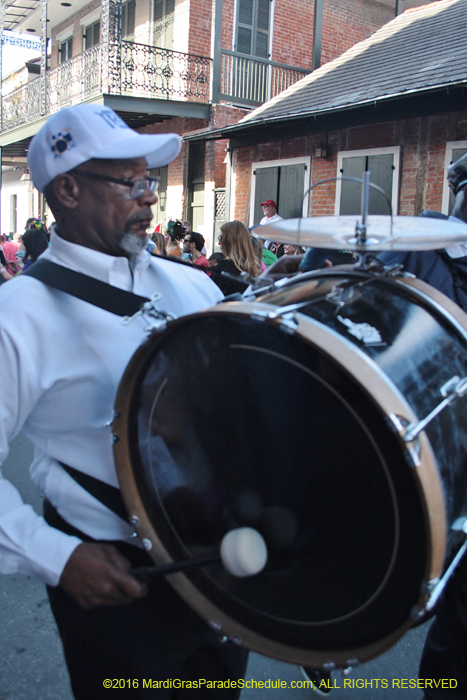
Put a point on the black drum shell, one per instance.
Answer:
(339, 558)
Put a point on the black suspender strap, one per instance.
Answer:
(108, 495)
(116, 301)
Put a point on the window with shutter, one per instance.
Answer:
(92, 35)
(164, 13)
(252, 36)
(66, 50)
(128, 20)
(383, 164)
(285, 182)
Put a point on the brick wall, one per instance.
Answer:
(199, 38)
(423, 148)
(347, 23)
(177, 174)
(344, 24)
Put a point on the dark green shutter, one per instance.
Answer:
(291, 188)
(351, 192)
(382, 174)
(266, 187)
(253, 27)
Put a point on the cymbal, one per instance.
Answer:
(339, 233)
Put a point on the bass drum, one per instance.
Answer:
(292, 421)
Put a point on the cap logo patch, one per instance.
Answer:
(112, 119)
(61, 142)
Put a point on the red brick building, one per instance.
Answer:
(189, 66)
(394, 104)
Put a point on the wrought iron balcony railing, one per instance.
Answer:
(251, 80)
(148, 71)
(144, 71)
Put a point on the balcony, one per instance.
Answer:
(137, 71)
(141, 71)
(252, 81)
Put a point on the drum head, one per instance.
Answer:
(228, 422)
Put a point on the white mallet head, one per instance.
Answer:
(244, 552)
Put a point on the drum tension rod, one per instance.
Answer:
(454, 389)
(441, 584)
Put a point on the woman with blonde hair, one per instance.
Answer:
(239, 256)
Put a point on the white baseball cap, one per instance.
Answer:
(77, 134)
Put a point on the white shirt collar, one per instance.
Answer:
(113, 269)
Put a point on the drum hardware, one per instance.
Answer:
(340, 295)
(330, 666)
(150, 314)
(454, 389)
(114, 417)
(412, 449)
(441, 584)
(242, 552)
(407, 514)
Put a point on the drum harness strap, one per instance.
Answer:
(116, 301)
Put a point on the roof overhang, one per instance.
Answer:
(451, 97)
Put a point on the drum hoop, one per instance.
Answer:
(388, 398)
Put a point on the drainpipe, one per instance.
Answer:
(43, 57)
(317, 34)
(216, 52)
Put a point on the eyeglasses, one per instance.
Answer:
(187, 240)
(219, 240)
(138, 186)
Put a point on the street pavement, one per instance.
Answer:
(32, 665)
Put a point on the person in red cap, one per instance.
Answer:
(270, 212)
(270, 217)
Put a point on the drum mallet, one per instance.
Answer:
(243, 553)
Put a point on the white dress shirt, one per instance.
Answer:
(62, 361)
(271, 220)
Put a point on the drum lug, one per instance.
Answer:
(340, 296)
(412, 451)
(460, 525)
(287, 319)
(452, 390)
(439, 586)
(215, 625)
(288, 324)
(115, 416)
(351, 664)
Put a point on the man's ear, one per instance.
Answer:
(66, 190)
